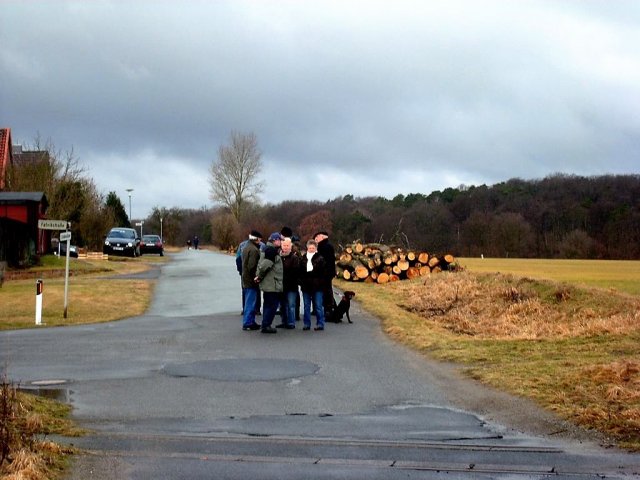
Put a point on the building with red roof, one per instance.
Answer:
(5, 156)
(20, 238)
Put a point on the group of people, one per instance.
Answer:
(196, 242)
(280, 269)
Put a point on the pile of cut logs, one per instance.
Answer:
(374, 262)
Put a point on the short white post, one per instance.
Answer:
(66, 279)
(39, 285)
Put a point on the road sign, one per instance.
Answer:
(138, 224)
(52, 224)
(64, 236)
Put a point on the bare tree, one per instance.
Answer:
(234, 175)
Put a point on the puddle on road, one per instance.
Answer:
(59, 394)
(51, 389)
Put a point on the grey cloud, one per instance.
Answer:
(462, 92)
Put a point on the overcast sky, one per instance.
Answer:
(363, 98)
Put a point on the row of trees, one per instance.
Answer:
(72, 195)
(560, 216)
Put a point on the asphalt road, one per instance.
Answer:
(183, 392)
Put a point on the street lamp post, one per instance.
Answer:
(129, 190)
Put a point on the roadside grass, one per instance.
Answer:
(573, 349)
(623, 275)
(27, 421)
(91, 299)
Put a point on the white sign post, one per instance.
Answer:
(66, 236)
(60, 225)
(39, 288)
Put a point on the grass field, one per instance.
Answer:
(623, 275)
(91, 297)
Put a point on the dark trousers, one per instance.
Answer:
(285, 305)
(271, 302)
(328, 302)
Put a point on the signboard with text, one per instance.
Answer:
(52, 224)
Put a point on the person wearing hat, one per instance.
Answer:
(250, 259)
(326, 250)
(270, 277)
(239, 268)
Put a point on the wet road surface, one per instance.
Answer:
(183, 392)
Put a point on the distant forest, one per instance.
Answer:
(560, 216)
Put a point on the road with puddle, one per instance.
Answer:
(183, 392)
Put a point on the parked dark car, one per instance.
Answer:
(152, 244)
(122, 241)
(73, 250)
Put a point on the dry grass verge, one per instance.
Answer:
(91, 299)
(572, 349)
(25, 422)
(508, 307)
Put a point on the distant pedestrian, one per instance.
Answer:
(270, 275)
(196, 241)
(188, 244)
(312, 269)
(250, 258)
(328, 253)
(290, 284)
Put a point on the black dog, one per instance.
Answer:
(342, 308)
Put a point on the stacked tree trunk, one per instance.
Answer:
(374, 262)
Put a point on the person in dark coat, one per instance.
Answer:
(312, 272)
(239, 268)
(329, 254)
(250, 258)
(290, 285)
(295, 249)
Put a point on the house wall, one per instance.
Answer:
(20, 237)
(19, 213)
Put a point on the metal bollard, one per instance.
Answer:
(39, 288)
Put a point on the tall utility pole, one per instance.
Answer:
(129, 190)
